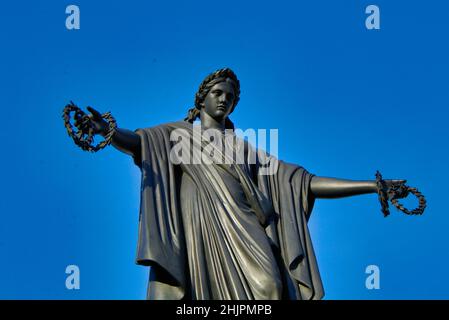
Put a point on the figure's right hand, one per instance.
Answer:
(99, 125)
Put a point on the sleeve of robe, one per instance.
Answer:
(161, 240)
(289, 190)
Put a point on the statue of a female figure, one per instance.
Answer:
(224, 230)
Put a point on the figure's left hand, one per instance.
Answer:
(399, 187)
(391, 183)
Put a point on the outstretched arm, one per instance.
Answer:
(330, 188)
(127, 141)
(124, 140)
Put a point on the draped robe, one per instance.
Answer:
(223, 231)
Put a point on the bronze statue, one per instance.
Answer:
(223, 230)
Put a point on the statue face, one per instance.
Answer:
(219, 101)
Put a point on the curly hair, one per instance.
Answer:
(212, 79)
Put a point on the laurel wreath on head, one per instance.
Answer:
(84, 136)
(395, 192)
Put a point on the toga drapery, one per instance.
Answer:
(223, 231)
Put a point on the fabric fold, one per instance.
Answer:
(213, 232)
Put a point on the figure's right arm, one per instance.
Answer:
(124, 140)
(127, 141)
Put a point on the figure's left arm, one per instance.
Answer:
(329, 188)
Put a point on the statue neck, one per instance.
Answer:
(207, 122)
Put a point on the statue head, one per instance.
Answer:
(219, 87)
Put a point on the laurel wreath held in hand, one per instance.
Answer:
(84, 136)
(395, 192)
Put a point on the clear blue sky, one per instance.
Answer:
(346, 100)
